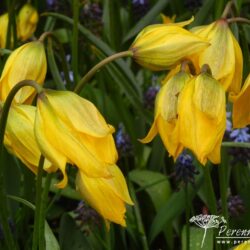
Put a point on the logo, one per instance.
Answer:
(225, 235)
(207, 221)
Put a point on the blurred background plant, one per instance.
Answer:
(166, 194)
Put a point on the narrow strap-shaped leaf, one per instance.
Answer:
(147, 19)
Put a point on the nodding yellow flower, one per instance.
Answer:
(241, 107)
(202, 117)
(162, 46)
(27, 62)
(106, 195)
(224, 56)
(166, 121)
(19, 138)
(4, 20)
(27, 20)
(69, 128)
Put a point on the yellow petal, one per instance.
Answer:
(169, 132)
(241, 107)
(27, 62)
(237, 79)
(151, 133)
(106, 196)
(59, 142)
(209, 96)
(198, 131)
(244, 246)
(103, 148)
(4, 20)
(224, 56)
(19, 137)
(79, 113)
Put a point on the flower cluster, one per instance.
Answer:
(205, 63)
(66, 129)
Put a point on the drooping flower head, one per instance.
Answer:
(106, 195)
(166, 115)
(224, 56)
(202, 117)
(70, 129)
(27, 20)
(27, 62)
(162, 46)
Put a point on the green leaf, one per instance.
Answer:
(112, 23)
(203, 14)
(53, 67)
(50, 239)
(154, 183)
(196, 237)
(147, 19)
(23, 201)
(174, 206)
(5, 52)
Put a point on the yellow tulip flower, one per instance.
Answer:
(202, 117)
(4, 20)
(27, 20)
(241, 107)
(162, 46)
(27, 62)
(166, 115)
(19, 137)
(224, 56)
(106, 195)
(70, 129)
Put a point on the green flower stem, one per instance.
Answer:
(43, 210)
(138, 218)
(91, 73)
(36, 232)
(236, 144)
(50, 35)
(53, 66)
(238, 20)
(74, 46)
(223, 187)
(227, 9)
(211, 199)
(3, 121)
(187, 218)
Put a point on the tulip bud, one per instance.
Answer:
(107, 196)
(26, 22)
(162, 46)
(27, 62)
(4, 20)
